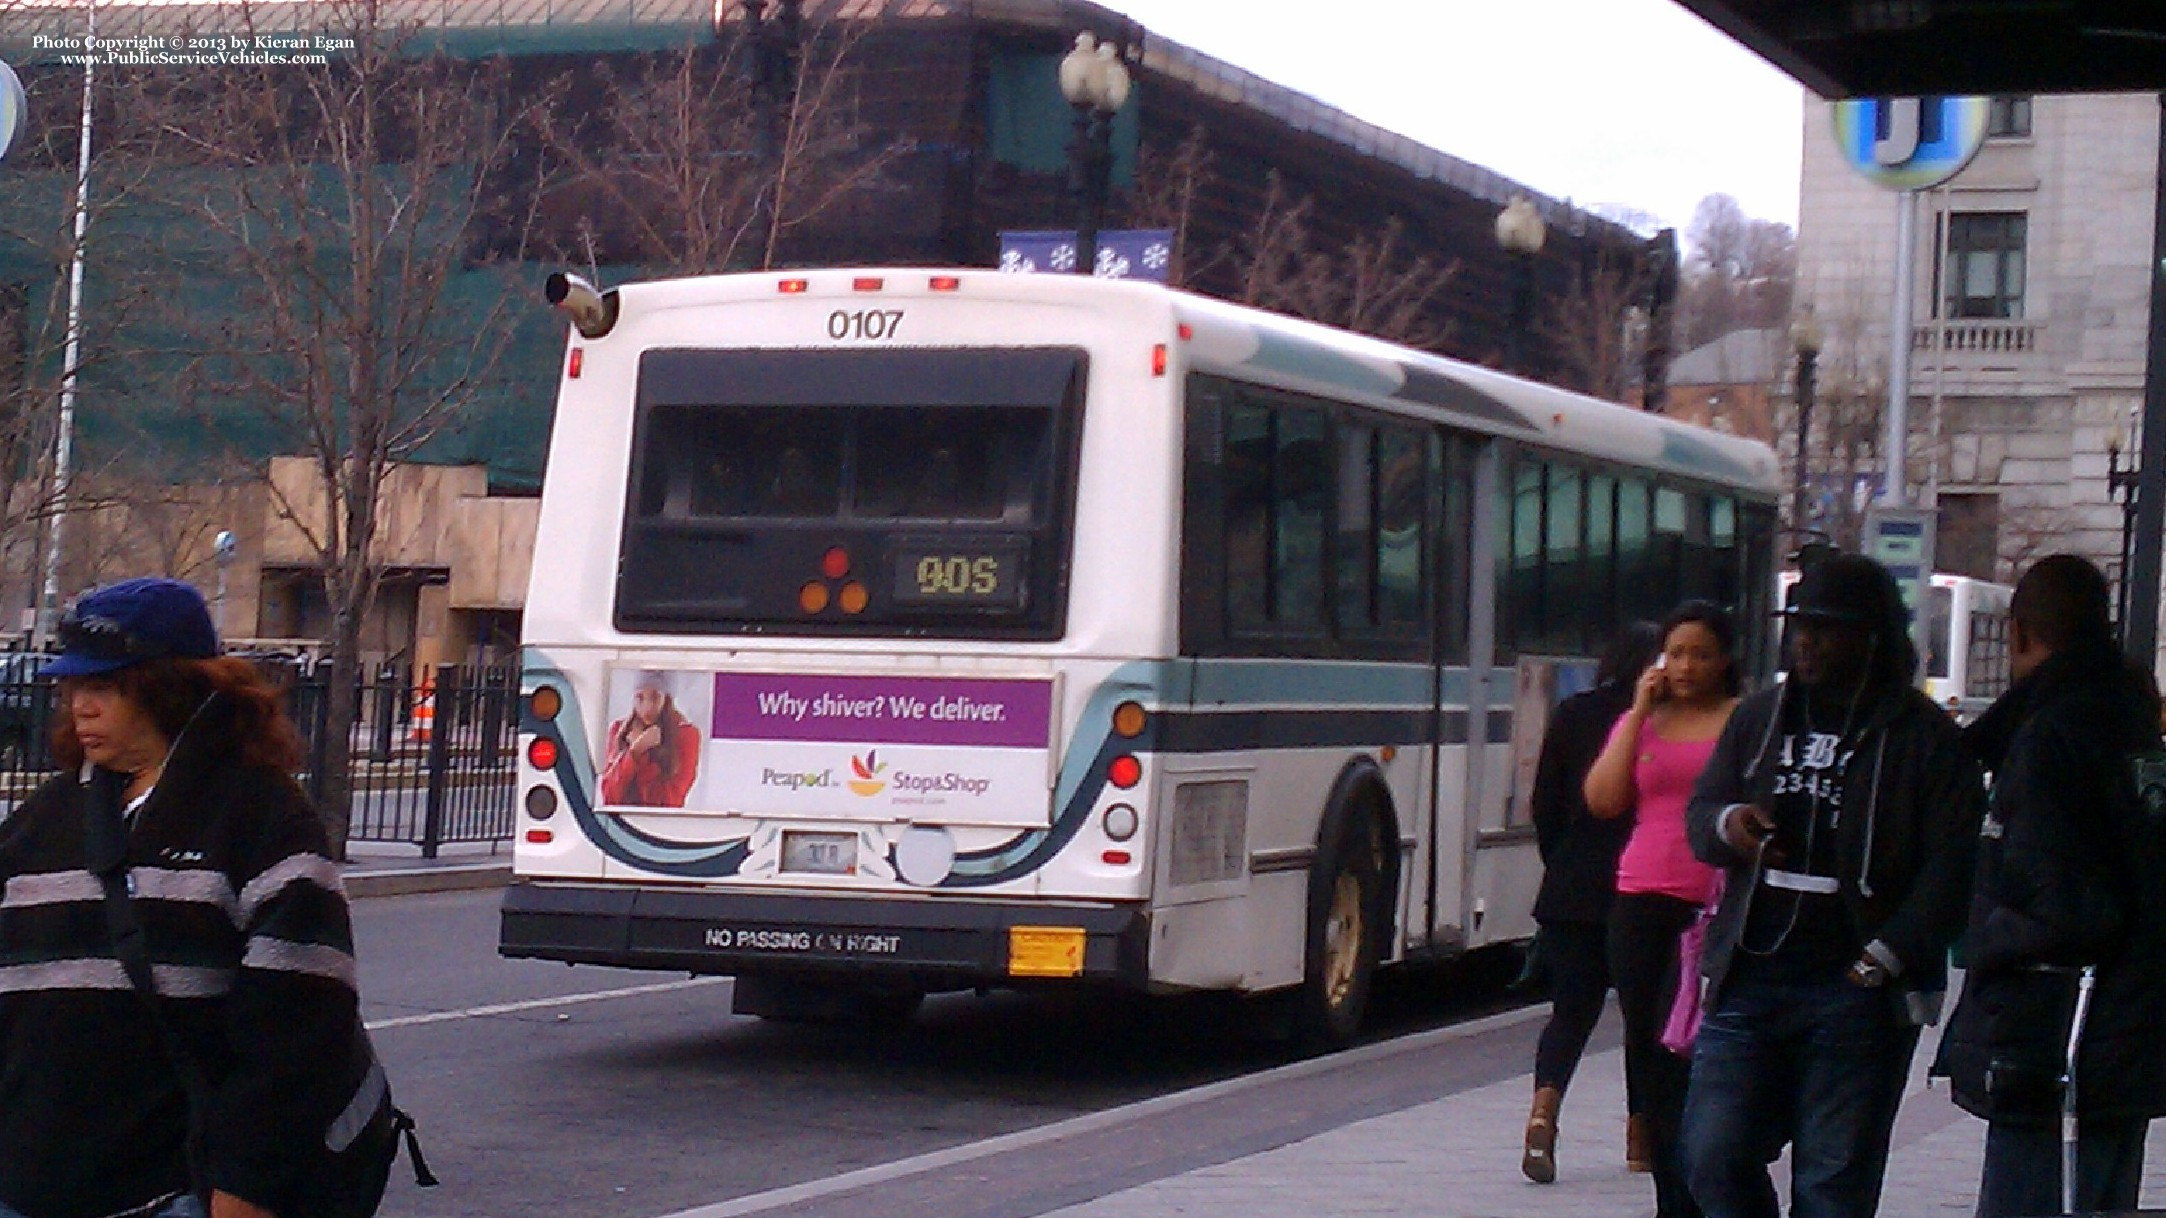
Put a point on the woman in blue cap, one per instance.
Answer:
(176, 812)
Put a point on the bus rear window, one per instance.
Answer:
(914, 492)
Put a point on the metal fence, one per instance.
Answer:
(432, 763)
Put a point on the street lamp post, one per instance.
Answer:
(1520, 233)
(1095, 82)
(1807, 337)
(2121, 481)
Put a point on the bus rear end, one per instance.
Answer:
(813, 697)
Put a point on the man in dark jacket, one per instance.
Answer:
(2069, 875)
(1579, 881)
(1844, 807)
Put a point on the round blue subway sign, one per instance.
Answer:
(14, 108)
(1910, 143)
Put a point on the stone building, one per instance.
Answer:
(2030, 311)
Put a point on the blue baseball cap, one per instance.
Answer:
(133, 621)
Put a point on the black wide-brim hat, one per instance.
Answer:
(1845, 588)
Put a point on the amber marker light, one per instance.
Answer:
(835, 563)
(793, 287)
(545, 702)
(1124, 772)
(1128, 720)
(542, 753)
(854, 597)
(812, 597)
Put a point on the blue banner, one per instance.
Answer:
(1131, 253)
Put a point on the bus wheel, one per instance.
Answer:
(1344, 934)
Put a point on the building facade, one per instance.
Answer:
(2030, 313)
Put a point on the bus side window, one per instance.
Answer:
(1248, 515)
(1402, 508)
(1565, 628)
(1301, 486)
(1353, 553)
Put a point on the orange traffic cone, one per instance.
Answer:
(424, 722)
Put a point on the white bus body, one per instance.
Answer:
(1043, 629)
(1966, 659)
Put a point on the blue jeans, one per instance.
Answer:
(1818, 1065)
(2022, 1176)
(178, 1207)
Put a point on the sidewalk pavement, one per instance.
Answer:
(390, 869)
(1458, 1157)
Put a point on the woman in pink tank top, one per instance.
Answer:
(1648, 767)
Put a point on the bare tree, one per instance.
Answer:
(1739, 272)
(699, 171)
(1589, 328)
(347, 205)
(1168, 184)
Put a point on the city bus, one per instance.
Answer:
(1966, 653)
(902, 631)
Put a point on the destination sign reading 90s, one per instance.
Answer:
(971, 575)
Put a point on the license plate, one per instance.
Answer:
(1045, 951)
(820, 853)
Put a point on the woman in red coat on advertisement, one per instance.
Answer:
(653, 753)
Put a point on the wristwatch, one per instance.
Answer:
(1867, 973)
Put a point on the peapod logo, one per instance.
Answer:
(867, 769)
(937, 784)
(797, 780)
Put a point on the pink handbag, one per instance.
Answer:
(1684, 1021)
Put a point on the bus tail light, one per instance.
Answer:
(946, 283)
(793, 287)
(1118, 858)
(1120, 822)
(577, 362)
(867, 283)
(545, 702)
(1129, 719)
(541, 803)
(1124, 771)
(540, 837)
(541, 753)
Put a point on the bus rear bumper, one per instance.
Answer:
(928, 943)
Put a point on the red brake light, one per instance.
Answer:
(542, 753)
(578, 361)
(1118, 858)
(792, 287)
(867, 284)
(946, 283)
(540, 837)
(1124, 772)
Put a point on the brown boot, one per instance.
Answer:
(1540, 1160)
(1639, 1144)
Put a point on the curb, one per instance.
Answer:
(405, 881)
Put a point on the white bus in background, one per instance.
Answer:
(1965, 665)
(1966, 655)
(902, 631)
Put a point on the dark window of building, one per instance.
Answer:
(2009, 118)
(1968, 541)
(1985, 269)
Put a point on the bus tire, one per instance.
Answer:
(1345, 934)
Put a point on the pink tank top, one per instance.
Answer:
(1657, 858)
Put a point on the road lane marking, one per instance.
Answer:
(537, 1004)
(866, 1177)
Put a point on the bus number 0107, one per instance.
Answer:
(864, 323)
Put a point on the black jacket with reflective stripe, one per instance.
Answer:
(252, 946)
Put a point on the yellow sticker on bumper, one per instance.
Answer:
(1045, 951)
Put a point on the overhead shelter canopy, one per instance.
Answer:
(1897, 48)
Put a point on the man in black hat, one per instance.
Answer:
(1844, 809)
(2069, 861)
